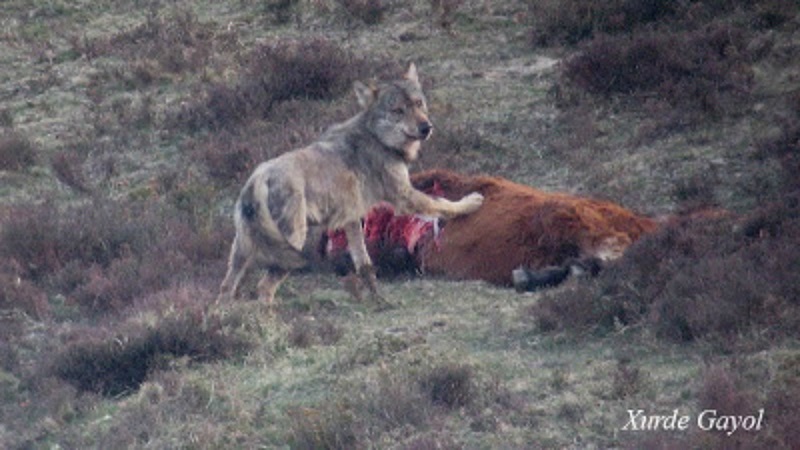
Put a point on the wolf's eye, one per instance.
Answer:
(418, 103)
(399, 110)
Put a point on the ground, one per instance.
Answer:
(115, 233)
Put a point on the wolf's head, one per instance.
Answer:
(397, 113)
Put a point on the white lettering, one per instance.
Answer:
(638, 421)
(702, 424)
(632, 416)
(709, 420)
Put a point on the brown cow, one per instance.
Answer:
(519, 226)
(549, 234)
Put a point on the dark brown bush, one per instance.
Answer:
(783, 402)
(228, 157)
(705, 71)
(44, 239)
(21, 294)
(117, 364)
(283, 70)
(371, 12)
(105, 255)
(173, 42)
(67, 168)
(329, 427)
(573, 21)
(16, 152)
(450, 385)
(314, 68)
(708, 276)
(785, 147)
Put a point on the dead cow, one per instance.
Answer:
(547, 235)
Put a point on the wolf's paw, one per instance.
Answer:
(471, 203)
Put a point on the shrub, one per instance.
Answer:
(16, 152)
(573, 21)
(305, 332)
(783, 402)
(444, 11)
(785, 146)
(117, 365)
(173, 42)
(228, 157)
(330, 427)
(18, 293)
(371, 12)
(282, 10)
(705, 71)
(102, 256)
(66, 166)
(628, 380)
(450, 386)
(707, 276)
(277, 72)
(314, 69)
(43, 239)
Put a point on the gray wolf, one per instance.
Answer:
(332, 183)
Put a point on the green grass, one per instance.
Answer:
(455, 364)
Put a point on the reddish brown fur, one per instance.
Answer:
(522, 226)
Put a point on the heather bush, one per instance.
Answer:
(573, 21)
(783, 402)
(708, 276)
(396, 400)
(785, 146)
(117, 363)
(451, 386)
(227, 156)
(172, 43)
(444, 11)
(371, 12)
(16, 151)
(21, 294)
(309, 69)
(704, 71)
(104, 255)
(306, 332)
(230, 155)
(282, 10)
(67, 167)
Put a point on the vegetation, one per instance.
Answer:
(127, 129)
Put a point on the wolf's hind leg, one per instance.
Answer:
(238, 264)
(269, 284)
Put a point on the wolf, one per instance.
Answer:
(332, 183)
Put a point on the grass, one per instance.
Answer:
(125, 135)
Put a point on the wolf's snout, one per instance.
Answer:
(425, 129)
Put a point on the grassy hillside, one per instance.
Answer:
(127, 128)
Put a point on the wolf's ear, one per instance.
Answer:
(411, 73)
(366, 94)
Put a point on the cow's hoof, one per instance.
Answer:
(521, 279)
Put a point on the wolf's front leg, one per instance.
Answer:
(417, 202)
(469, 203)
(365, 272)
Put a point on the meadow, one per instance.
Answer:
(127, 128)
